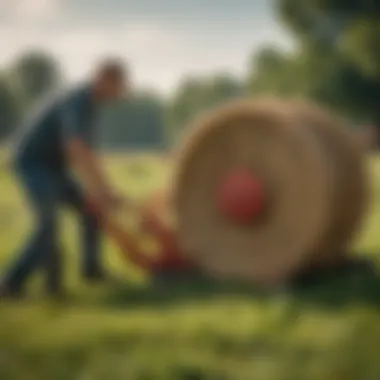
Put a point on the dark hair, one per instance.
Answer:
(113, 69)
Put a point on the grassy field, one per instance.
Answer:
(327, 330)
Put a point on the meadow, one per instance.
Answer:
(328, 329)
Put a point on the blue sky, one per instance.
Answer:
(162, 39)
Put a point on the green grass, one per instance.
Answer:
(328, 329)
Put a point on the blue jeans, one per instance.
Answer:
(46, 191)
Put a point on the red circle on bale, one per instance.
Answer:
(241, 197)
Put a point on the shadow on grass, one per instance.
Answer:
(357, 283)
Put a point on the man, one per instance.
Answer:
(56, 144)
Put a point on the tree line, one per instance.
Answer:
(335, 62)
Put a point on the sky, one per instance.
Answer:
(162, 40)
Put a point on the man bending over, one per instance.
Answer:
(57, 143)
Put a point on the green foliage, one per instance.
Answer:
(35, 74)
(198, 94)
(9, 108)
(32, 76)
(272, 72)
(337, 57)
(134, 123)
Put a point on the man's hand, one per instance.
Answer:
(86, 164)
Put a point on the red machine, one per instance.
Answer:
(169, 257)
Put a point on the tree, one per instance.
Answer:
(198, 94)
(150, 129)
(270, 72)
(187, 101)
(136, 123)
(35, 73)
(222, 87)
(341, 40)
(9, 109)
(350, 26)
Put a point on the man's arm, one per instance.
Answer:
(85, 162)
(79, 152)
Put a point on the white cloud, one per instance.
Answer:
(79, 50)
(148, 35)
(30, 11)
(159, 54)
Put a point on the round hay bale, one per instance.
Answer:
(261, 137)
(348, 197)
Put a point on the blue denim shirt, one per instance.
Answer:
(59, 118)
